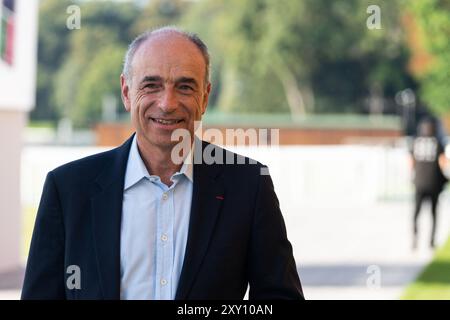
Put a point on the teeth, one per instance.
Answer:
(166, 121)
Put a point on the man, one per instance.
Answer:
(428, 159)
(132, 223)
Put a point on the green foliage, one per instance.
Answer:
(86, 45)
(267, 55)
(99, 80)
(319, 49)
(433, 18)
(78, 68)
(158, 13)
(52, 48)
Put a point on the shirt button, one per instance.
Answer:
(164, 237)
(163, 282)
(165, 196)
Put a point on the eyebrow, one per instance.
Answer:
(151, 79)
(177, 81)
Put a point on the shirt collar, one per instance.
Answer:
(187, 168)
(136, 169)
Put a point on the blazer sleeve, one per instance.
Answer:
(272, 270)
(44, 275)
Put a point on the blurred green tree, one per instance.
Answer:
(53, 37)
(104, 29)
(100, 80)
(268, 55)
(78, 68)
(158, 13)
(85, 46)
(319, 53)
(433, 19)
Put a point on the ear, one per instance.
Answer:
(206, 97)
(125, 91)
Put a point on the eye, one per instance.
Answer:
(152, 86)
(185, 87)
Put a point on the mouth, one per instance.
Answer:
(166, 123)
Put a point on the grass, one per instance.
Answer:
(434, 281)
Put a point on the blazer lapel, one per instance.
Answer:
(207, 197)
(106, 206)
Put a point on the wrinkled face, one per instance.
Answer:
(167, 90)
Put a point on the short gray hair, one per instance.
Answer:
(136, 43)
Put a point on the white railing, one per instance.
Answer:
(302, 175)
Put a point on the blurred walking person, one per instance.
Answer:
(428, 159)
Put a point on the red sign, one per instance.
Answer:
(7, 31)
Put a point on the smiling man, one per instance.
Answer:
(165, 87)
(133, 223)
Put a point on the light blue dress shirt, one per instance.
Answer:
(154, 229)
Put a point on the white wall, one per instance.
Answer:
(17, 96)
(11, 124)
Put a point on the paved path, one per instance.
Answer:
(340, 249)
(10, 284)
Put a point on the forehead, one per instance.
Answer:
(169, 55)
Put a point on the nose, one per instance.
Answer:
(168, 102)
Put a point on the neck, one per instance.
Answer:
(157, 160)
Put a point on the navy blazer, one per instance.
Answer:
(237, 236)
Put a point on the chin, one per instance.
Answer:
(164, 142)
